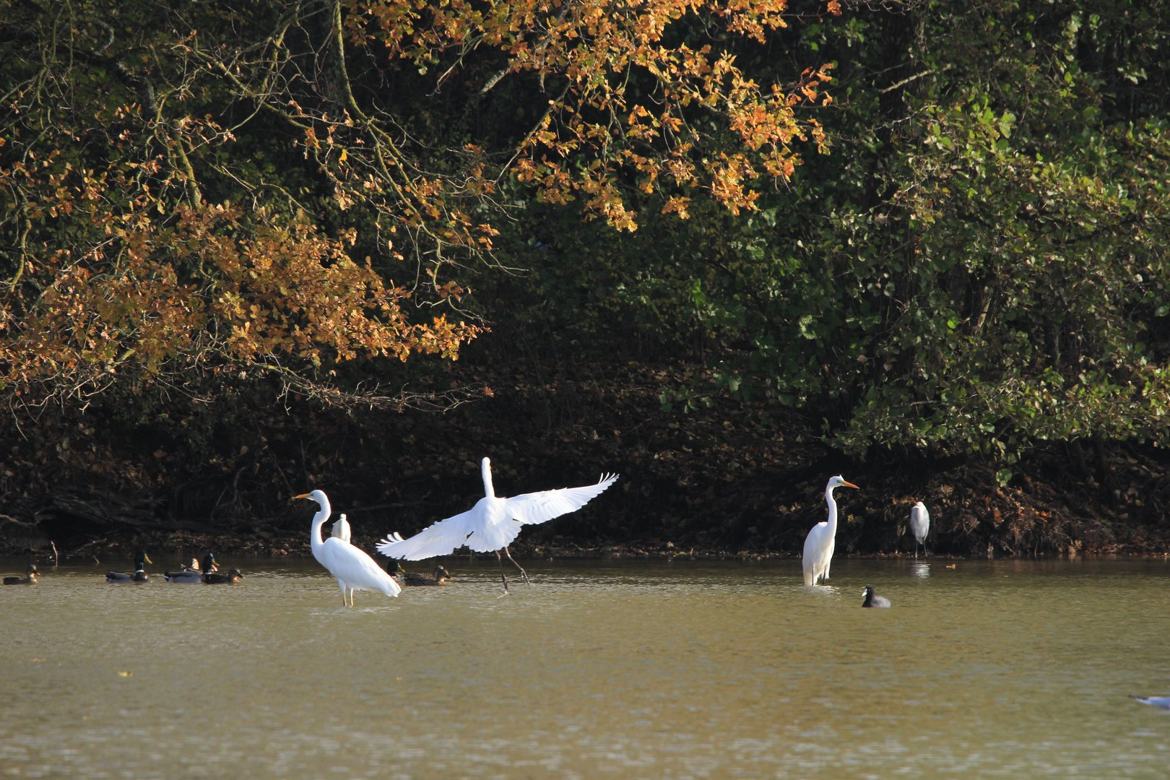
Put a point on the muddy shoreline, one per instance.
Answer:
(167, 549)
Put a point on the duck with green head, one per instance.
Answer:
(139, 574)
(193, 573)
(230, 577)
(189, 573)
(30, 578)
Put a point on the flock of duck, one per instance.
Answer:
(206, 572)
(491, 525)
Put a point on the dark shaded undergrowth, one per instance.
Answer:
(725, 479)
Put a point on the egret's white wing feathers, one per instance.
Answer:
(440, 538)
(919, 521)
(359, 570)
(492, 524)
(540, 507)
(353, 569)
(818, 552)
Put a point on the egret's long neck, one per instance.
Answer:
(832, 502)
(315, 540)
(486, 469)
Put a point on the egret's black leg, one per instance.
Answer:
(523, 573)
(503, 577)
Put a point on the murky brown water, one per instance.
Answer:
(630, 669)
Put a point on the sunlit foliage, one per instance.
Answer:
(206, 188)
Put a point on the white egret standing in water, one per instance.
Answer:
(818, 545)
(493, 523)
(919, 526)
(340, 528)
(353, 569)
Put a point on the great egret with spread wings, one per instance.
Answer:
(493, 523)
(818, 545)
(353, 569)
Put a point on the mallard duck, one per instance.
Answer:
(193, 573)
(139, 575)
(873, 600)
(189, 573)
(232, 577)
(440, 577)
(31, 579)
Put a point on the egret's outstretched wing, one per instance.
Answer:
(533, 508)
(441, 538)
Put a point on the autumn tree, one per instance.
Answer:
(198, 189)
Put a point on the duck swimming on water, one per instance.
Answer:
(230, 577)
(139, 575)
(440, 576)
(189, 573)
(193, 573)
(873, 600)
(32, 575)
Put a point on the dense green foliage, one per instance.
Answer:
(979, 265)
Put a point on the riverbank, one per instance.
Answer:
(721, 479)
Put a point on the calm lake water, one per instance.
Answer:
(619, 669)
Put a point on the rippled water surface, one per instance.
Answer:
(630, 669)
